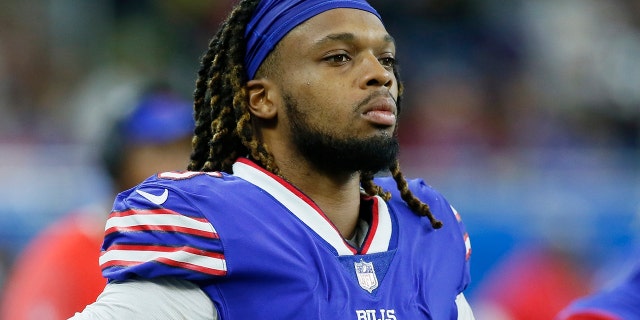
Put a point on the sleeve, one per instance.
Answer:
(590, 315)
(453, 221)
(463, 308)
(616, 303)
(467, 248)
(155, 231)
(161, 298)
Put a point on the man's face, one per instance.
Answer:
(144, 159)
(340, 91)
(331, 151)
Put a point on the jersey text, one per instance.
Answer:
(381, 314)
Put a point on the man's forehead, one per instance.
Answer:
(274, 19)
(348, 37)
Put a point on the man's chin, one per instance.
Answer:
(349, 156)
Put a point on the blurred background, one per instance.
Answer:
(524, 114)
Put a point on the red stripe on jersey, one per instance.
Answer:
(119, 263)
(132, 212)
(184, 265)
(156, 248)
(285, 184)
(139, 252)
(143, 225)
(162, 228)
(373, 228)
(193, 267)
(299, 194)
(467, 245)
(590, 315)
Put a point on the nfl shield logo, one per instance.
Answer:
(366, 275)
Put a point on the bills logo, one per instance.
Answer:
(366, 275)
(381, 314)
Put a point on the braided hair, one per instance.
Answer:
(223, 130)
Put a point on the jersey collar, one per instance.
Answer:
(307, 211)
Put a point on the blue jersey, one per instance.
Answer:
(261, 249)
(619, 302)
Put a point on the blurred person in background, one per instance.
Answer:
(532, 282)
(58, 274)
(619, 297)
(620, 302)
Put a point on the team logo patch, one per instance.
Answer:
(366, 275)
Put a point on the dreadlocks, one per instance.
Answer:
(224, 129)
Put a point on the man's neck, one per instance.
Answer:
(338, 195)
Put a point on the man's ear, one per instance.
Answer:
(262, 98)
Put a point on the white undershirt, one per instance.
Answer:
(162, 298)
(170, 298)
(358, 235)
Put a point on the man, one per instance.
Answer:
(57, 274)
(619, 302)
(279, 216)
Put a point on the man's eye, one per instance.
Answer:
(338, 58)
(388, 62)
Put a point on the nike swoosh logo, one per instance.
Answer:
(153, 198)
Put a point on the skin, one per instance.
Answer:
(338, 66)
(143, 160)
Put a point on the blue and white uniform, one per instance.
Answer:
(261, 249)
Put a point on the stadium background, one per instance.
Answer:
(525, 114)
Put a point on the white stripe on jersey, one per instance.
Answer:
(295, 204)
(310, 216)
(467, 240)
(380, 242)
(467, 244)
(214, 264)
(174, 220)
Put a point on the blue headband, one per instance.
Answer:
(273, 19)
